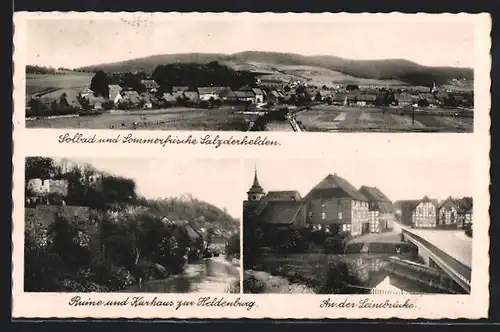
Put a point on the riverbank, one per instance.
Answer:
(210, 275)
(263, 282)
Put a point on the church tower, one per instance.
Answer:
(256, 192)
(434, 88)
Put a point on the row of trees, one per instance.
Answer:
(194, 75)
(103, 254)
(31, 69)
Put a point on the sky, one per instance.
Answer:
(398, 179)
(224, 182)
(81, 42)
(218, 182)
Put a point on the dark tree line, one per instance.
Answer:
(196, 75)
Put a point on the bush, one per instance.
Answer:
(252, 285)
(337, 279)
(468, 231)
(334, 245)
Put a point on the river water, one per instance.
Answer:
(212, 275)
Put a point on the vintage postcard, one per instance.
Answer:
(157, 173)
(340, 75)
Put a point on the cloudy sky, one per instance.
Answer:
(79, 42)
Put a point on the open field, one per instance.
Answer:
(36, 83)
(343, 118)
(178, 118)
(318, 119)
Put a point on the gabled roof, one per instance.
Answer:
(211, 90)
(464, 204)
(373, 194)
(169, 97)
(258, 91)
(367, 97)
(339, 97)
(335, 186)
(284, 195)
(282, 212)
(191, 95)
(244, 94)
(133, 96)
(180, 88)
(378, 200)
(412, 204)
(228, 93)
(150, 84)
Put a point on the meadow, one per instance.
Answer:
(40, 83)
(177, 118)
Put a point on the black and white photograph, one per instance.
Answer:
(341, 228)
(154, 73)
(130, 225)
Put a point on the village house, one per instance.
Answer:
(338, 206)
(381, 209)
(86, 92)
(150, 85)
(195, 237)
(465, 211)
(169, 98)
(429, 99)
(275, 97)
(277, 208)
(115, 93)
(339, 99)
(325, 94)
(247, 96)
(455, 212)
(228, 95)
(366, 99)
(210, 92)
(419, 213)
(180, 89)
(448, 214)
(259, 95)
(352, 98)
(132, 97)
(97, 103)
(404, 99)
(191, 96)
(147, 100)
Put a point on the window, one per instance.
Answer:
(340, 216)
(254, 197)
(323, 215)
(323, 203)
(338, 202)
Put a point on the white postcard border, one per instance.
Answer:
(44, 142)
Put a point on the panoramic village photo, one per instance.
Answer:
(337, 227)
(325, 76)
(118, 225)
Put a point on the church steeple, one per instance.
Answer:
(256, 191)
(434, 87)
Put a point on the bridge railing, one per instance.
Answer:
(462, 271)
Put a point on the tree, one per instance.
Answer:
(39, 168)
(300, 90)
(318, 97)
(100, 84)
(209, 237)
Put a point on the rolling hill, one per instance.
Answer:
(269, 62)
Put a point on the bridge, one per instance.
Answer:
(449, 250)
